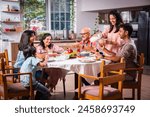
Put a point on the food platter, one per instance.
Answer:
(87, 59)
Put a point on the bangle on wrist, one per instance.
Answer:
(103, 47)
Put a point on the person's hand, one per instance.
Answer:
(98, 55)
(46, 57)
(104, 35)
(102, 42)
(53, 55)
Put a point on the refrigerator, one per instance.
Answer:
(143, 42)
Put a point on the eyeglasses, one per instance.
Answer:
(84, 33)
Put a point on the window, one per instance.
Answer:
(60, 14)
(38, 17)
(34, 14)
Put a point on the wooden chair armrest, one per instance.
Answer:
(12, 62)
(11, 68)
(134, 69)
(88, 76)
(114, 72)
(13, 74)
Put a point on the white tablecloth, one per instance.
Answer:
(78, 67)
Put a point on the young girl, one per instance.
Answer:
(31, 64)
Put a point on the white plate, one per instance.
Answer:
(51, 59)
(86, 60)
(62, 57)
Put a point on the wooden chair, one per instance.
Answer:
(8, 62)
(11, 90)
(9, 68)
(137, 83)
(103, 91)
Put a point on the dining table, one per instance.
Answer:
(84, 65)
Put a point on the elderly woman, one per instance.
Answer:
(47, 47)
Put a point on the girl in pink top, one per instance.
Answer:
(111, 39)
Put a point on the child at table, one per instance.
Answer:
(31, 64)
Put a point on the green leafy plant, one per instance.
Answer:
(72, 14)
(31, 9)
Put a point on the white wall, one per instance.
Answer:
(84, 18)
(10, 36)
(92, 5)
(7, 38)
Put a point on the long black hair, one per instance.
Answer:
(118, 20)
(29, 51)
(25, 39)
(43, 38)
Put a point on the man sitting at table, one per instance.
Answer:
(85, 44)
(128, 51)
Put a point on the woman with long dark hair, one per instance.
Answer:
(27, 38)
(111, 39)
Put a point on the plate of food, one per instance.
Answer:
(84, 53)
(86, 59)
(62, 57)
(51, 59)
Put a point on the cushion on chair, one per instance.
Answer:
(14, 88)
(94, 90)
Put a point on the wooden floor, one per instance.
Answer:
(58, 93)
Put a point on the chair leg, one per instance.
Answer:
(139, 93)
(133, 94)
(64, 87)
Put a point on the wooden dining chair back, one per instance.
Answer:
(9, 68)
(103, 91)
(11, 90)
(8, 63)
(133, 85)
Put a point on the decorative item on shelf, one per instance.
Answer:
(10, 30)
(7, 20)
(6, 7)
(18, 28)
(14, 8)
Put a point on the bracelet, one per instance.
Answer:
(103, 47)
